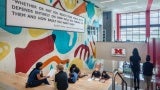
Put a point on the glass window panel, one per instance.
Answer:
(129, 38)
(129, 16)
(135, 29)
(123, 38)
(142, 39)
(153, 36)
(142, 32)
(135, 32)
(154, 32)
(142, 15)
(141, 29)
(129, 29)
(143, 36)
(154, 21)
(153, 14)
(135, 21)
(129, 32)
(135, 37)
(123, 16)
(123, 33)
(123, 29)
(142, 22)
(154, 28)
(123, 23)
(135, 15)
(129, 22)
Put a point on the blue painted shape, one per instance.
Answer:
(51, 67)
(90, 62)
(67, 64)
(90, 10)
(51, 1)
(63, 39)
(95, 23)
(10, 29)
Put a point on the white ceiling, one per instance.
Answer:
(125, 5)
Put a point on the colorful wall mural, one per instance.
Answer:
(21, 48)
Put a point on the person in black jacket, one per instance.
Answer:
(36, 77)
(61, 79)
(104, 76)
(96, 74)
(135, 60)
(147, 72)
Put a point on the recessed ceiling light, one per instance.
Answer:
(107, 1)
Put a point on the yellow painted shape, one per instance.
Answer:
(94, 52)
(4, 49)
(41, 1)
(36, 32)
(70, 4)
(78, 62)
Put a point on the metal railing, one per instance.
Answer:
(123, 81)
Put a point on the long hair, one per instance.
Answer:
(135, 52)
(38, 65)
(73, 66)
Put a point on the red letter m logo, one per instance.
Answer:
(118, 51)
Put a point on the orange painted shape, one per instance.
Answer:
(93, 50)
(55, 59)
(80, 9)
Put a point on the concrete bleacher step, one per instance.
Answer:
(17, 82)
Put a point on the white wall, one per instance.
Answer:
(103, 51)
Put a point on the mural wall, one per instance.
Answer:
(21, 48)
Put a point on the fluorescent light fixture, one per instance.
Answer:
(130, 2)
(107, 1)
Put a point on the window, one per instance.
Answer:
(92, 32)
(155, 24)
(133, 26)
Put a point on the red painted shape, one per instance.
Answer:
(26, 57)
(118, 26)
(58, 1)
(81, 48)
